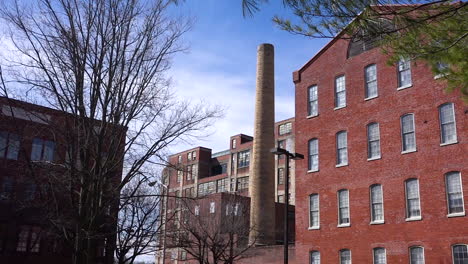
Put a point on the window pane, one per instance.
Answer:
(379, 256)
(412, 196)
(447, 123)
(315, 257)
(36, 151)
(23, 236)
(460, 254)
(313, 155)
(314, 210)
(371, 81)
(3, 143)
(417, 255)
(404, 72)
(340, 91)
(454, 193)
(345, 256)
(13, 146)
(342, 151)
(49, 147)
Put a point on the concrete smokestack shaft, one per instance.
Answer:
(262, 182)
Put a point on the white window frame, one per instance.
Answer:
(403, 150)
(310, 155)
(350, 255)
(342, 91)
(373, 221)
(340, 224)
(196, 210)
(311, 227)
(338, 149)
(367, 81)
(447, 195)
(310, 256)
(373, 254)
(414, 218)
(400, 86)
(369, 157)
(311, 101)
(212, 207)
(453, 246)
(442, 143)
(414, 247)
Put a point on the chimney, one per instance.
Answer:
(262, 169)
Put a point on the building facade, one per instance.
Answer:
(198, 173)
(386, 174)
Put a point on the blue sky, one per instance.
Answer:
(220, 65)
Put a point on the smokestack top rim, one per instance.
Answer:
(265, 46)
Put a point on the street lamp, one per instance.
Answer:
(295, 156)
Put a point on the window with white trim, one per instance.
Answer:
(454, 190)
(342, 148)
(371, 81)
(345, 256)
(448, 130)
(314, 215)
(314, 257)
(373, 141)
(413, 207)
(460, 254)
(416, 255)
(281, 175)
(343, 207)
(404, 73)
(340, 91)
(313, 101)
(313, 155)
(379, 256)
(377, 210)
(285, 128)
(408, 136)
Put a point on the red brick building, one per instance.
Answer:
(386, 174)
(32, 149)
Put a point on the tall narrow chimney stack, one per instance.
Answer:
(262, 182)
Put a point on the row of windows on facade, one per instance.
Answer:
(10, 144)
(448, 135)
(379, 255)
(191, 172)
(454, 193)
(370, 85)
(192, 155)
(28, 190)
(231, 209)
(221, 185)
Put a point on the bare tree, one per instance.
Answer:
(104, 63)
(212, 232)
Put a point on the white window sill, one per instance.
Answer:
(448, 143)
(456, 215)
(311, 116)
(339, 107)
(413, 219)
(314, 228)
(405, 87)
(374, 158)
(341, 165)
(311, 171)
(370, 98)
(344, 225)
(380, 222)
(408, 151)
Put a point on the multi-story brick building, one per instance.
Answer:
(32, 152)
(386, 173)
(199, 173)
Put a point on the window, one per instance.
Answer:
(342, 148)
(28, 239)
(222, 185)
(180, 174)
(454, 193)
(448, 130)
(229, 209)
(343, 208)
(233, 143)
(408, 136)
(243, 159)
(442, 69)
(313, 101)
(345, 256)
(404, 73)
(212, 207)
(280, 198)
(233, 185)
(377, 214)
(314, 257)
(9, 145)
(416, 255)
(197, 210)
(379, 256)
(189, 156)
(340, 92)
(206, 188)
(242, 183)
(413, 207)
(314, 217)
(6, 191)
(189, 173)
(460, 254)
(371, 81)
(237, 209)
(285, 128)
(194, 155)
(313, 155)
(373, 141)
(281, 176)
(179, 159)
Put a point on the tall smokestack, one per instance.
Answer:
(262, 171)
